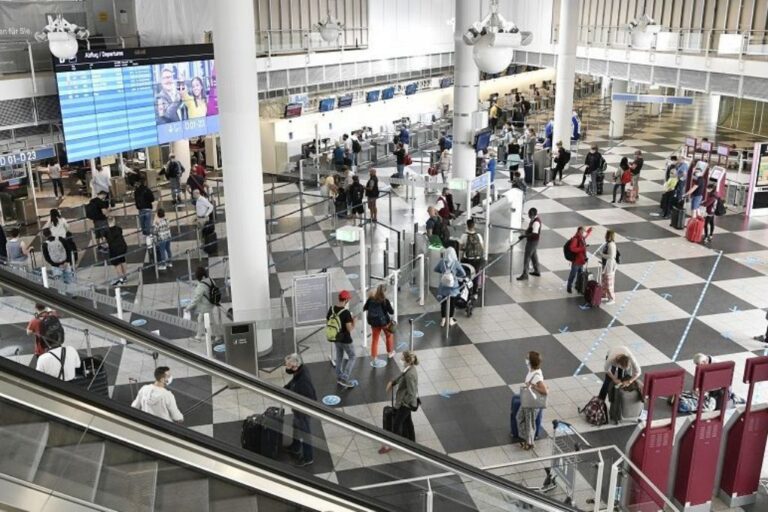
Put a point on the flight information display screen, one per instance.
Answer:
(120, 100)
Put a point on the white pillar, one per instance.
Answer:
(466, 91)
(180, 148)
(566, 70)
(605, 87)
(235, 57)
(211, 152)
(618, 111)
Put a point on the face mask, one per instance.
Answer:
(290, 371)
(168, 380)
(527, 364)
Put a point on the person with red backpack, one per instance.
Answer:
(576, 253)
(34, 327)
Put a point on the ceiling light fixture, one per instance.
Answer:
(494, 40)
(330, 29)
(62, 37)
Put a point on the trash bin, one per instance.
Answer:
(433, 255)
(25, 211)
(240, 346)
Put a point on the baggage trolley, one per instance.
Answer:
(563, 471)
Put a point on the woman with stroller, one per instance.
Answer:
(450, 271)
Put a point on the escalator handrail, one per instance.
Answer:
(125, 330)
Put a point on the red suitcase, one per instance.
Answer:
(694, 231)
(593, 293)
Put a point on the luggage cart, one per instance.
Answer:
(562, 472)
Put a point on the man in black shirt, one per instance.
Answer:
(144, 199)
(301, 384)
(592, 162)
(372, 193)
(561, 159)
(97, 211)
(356, 197)
(340, 316)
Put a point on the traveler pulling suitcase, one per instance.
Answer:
(694, 231)
(678, 218)
(594, 290)
(514, 407)
(262, 433)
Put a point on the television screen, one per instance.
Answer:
(119, 100)
(326, 104)
(292, 110)
(372, 96)
(388, 93)
(446, 82)
(482, 140)
(410, 89)
(345, 101)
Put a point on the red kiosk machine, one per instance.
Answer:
(699, 440)
(651, 449)
(745, 442)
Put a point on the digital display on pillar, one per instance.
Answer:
(118, 100)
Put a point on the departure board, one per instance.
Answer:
(119, 100)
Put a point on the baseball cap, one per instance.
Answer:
(344, 295)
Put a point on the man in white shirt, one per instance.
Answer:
(472, 248)
(99, 181)
(155, 398)
(54, 172)
(203, 208)
(59, 362)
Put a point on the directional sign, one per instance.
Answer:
(22, 156)
(650, 98)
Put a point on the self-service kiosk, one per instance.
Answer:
(717, 177)
(745, 442)
(689, 148)
(757, 195)
(697, 443)
(650, 447)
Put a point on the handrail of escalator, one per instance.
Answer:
(121, 329)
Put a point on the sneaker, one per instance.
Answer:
(384, 450)
(442, 322)
(610, 302)
(162, 267)
(523, 277)
(117, 282)
(373, 363)
(170, 265)
(580, 186)
(761, 338)
(345, 384)
(391, 354)
(452, 322)
(569, 290)
(535, 274)
(303, 462)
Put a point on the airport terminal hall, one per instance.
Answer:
(383, 255)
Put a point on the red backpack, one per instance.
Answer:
(626, 177)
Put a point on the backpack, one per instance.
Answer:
(719, 207)
(56, 250)
(51, 330)
(443, 231)
(357, 194)
(92, 209)
(333, 326)
(377, 317)
(447, 142)
(173, 170)
(407, 160)
(596, 412)
(603, 165)
(566, 157)
(567, 252)
(626, 177)
(447, 278)
(474, 249)
(214, 293)
(356, 147)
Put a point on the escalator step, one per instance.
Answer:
(73, 470)
(21, 448)
(128, 487)
(189, 496)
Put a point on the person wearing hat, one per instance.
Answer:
(340, 319)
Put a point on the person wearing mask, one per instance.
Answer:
(491, 166)
(17, 249)
(671, 168)
(531, 236)
(530, 146)
(400, 159)
(710, 205)
(379, 317)
(173, 171)
(493, 116)
(144, 198)
(301, 384)
(372, 194)
(450, 271)
(610, 253)
(97, 211)
(203, 208)
(156, 399)
(445, 163)
(117, 249)
(161, 231)
(100, 181)
(54, 172)
(406, 399)
(561, 160)
(526, 416)
(696, 192)
(33, 327)
(58, 361)
(57, 255)
(578, 247)
(592, 164)
(636, 166)
(201, 304)
(356, 194)
(621, 176)
(341, 319)
(621, 369)
(57, 224)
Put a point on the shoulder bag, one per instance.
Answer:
(532, 399)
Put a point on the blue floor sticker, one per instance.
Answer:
(221, 347)
(331, 400)
(564, 329)
(418, 334)
(139, 322)
(378, 363)
(402, 346)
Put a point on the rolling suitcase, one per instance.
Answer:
(210, 240)
(694, 231)
(678, 218)
(388, 416)
(626, 404)
(395, 185)
(514, 407)
(582, 280)
(92, 375)
(262, 433)
(593, 292)
(599, 183)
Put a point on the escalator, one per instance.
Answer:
(64, 446)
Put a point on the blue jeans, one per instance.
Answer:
(145, 221)
(400, 170)
(576, 271)
(164, 251)
(302, 437)
(343, 371)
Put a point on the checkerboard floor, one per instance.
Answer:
(673, 297)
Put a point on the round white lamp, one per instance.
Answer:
(62, 45)
(491, 59)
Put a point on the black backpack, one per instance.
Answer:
(173, 170)
(356, 147)
(443, 231)
(116, 241)
(51, 330)
(357, 192)
(720, 207)
(214, 293)
(566, 157)
(567, 252)
(377, 316)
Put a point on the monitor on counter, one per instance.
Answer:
(124, 99)
(345, 101)
(292, 110)
(446, 82)
(372, 96)
(388, 93)
(411, 89)
(326, 105)
(482, 140)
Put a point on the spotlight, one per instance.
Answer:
(494, 40)
(62, 37)
(330, 29)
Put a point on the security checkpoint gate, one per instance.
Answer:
(745, 442)
(651, 449)
(699, 441)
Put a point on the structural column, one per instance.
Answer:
(235, 56)
(466, 90)
(566, 70)
(211, 152)
(618, 111)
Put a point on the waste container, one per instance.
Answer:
(25, 211)
(240, 346)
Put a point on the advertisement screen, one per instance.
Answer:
(762, 167)
(345, 101)
(119, 100)
(292, 110)
(410, 89)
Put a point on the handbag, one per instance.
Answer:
(391, 327)
(532, 399)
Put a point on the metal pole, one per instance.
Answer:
(207, 326)
(422, 279)
(301, 218)
(511, 250)
(487, 242)
(93, 295)
(154, 260)
(34, 193)
(362, 282)
(448, 317)
(189, 266)
(119, 303)
(369, 250)
(386, 257)
(44, 274)
(395, 284)
(389, 198)
(399, 248)
(88, 349)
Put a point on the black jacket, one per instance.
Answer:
(144, 198)
(301, 384)
(593, 161)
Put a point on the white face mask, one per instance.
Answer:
(527, 364)
(168, 380)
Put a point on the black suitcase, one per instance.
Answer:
(263, 433)
(388, 420)
(528, 173)
(210, 240)
(678, 218)
(92, 375)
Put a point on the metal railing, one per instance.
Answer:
(284, 42)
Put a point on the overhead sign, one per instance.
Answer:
(481, 182)
(22, 156)
(311, 299)
(650, 98)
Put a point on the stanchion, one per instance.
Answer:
(153, 259)
(44, 275)
(422, 277)
(399, 249)
(369, 272)
(208, 344)
(93, 296)
(395, 284)
(389, 195)
(189, 266)
(448, 316)
(87, 336)
(386, 257)
(410, 321)
(119, 303)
